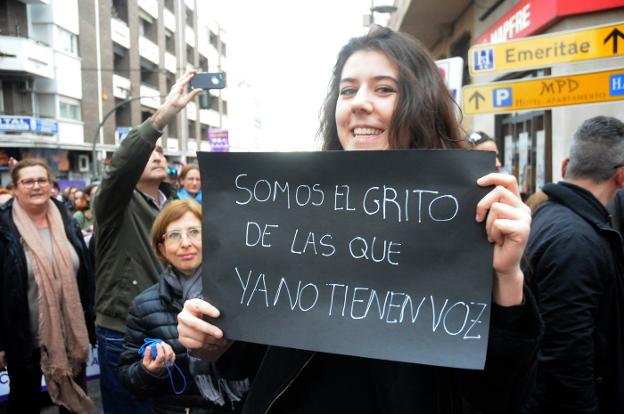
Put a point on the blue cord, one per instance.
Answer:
(150, 342)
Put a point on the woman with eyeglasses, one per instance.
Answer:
(47, 292)
(190, 183)
(176, 239)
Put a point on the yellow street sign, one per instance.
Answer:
(548, 92)
(551, 49)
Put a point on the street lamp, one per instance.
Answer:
(384, 9)
(97, 130)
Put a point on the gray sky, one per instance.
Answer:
(286, 50)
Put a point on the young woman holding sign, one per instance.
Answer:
(386, 93)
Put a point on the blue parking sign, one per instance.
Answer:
(616, 84)
(501, 97)
(483, 59)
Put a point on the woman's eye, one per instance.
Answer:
(348, 91)
(385, 89)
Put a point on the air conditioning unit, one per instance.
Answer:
(25, 85)
(83, 163)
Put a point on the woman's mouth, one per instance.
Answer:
(366, 131)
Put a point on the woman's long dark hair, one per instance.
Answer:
(425, 113)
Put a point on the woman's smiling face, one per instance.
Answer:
(367, 98)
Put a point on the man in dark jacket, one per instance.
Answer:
(575, 267)
(128, 201)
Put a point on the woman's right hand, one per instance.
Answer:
(164, 357)
(201, 338)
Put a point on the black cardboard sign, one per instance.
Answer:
(374, 254)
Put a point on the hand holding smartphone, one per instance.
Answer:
(208, 80)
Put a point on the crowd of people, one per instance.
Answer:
(556, 331)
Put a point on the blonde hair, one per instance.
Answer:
(173, 210)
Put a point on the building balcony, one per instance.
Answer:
(120, 32)
(150, 6)
(71, 133)
(121, 87)
(209, 117)
(191, 111)
(169, 20)
(172, 144)
(148, 49)
(190, 4)
(170, 62)
(22, 56)
(214, 93)
(189, 36)
(152, 95)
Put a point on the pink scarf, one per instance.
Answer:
(62, 329)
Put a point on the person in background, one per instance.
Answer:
(55, 192)
(46, 296)
(128, 200)
(386, 93)
(190, 183)
(83, 214)
(176, 238)
(575, 263)
(67, 198)
(483, 142)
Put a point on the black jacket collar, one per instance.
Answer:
(579, 200)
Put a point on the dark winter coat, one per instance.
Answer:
(15, 336)
(295, 381)
(575, 266)
(153, 314)
(126, 263)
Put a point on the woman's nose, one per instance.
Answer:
(361, 101)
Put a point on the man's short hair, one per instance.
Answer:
(597, 149)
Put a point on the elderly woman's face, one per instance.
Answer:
(182, 244)
(191, 181)
(33, 187)
(367, 98)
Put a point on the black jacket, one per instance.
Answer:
(575, 267)
(15, 338)
(295, 381)
(153, 314)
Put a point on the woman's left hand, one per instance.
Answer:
(164, 356)
(508, 223)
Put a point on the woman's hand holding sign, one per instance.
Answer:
(508, 223)
(202, 338)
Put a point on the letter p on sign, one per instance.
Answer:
(502, 97)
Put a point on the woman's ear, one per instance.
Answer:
(161, 249)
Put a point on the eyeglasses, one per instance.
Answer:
(30, 182)
(175, 236)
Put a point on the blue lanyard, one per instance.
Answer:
(154, 352)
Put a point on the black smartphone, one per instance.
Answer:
(208, 80)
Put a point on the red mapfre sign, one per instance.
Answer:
(532, 16)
